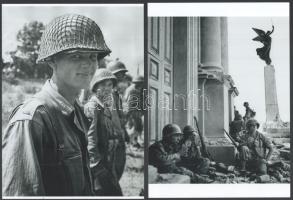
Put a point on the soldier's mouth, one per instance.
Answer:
(83, 74)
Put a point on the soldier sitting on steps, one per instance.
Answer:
(253, 148)
(192, 158)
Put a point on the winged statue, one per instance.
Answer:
(266, 40)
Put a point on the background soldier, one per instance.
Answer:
(102, 137)
(128, 79)
(118, 69)
(134, 100)
(165, 154)
(45, 146)
(236, 126)
(249, 113)
(253, 148)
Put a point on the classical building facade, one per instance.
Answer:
(189, 76)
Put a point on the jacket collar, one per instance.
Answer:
(59, 102)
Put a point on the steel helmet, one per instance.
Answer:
(72, 32)
(187, 130)
(116, 66)
(252, 122)
(138, 79)
(171, 129)
(101, 75)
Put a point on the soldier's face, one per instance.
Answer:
(175, 139)
(75, 69)
(251, 128)
(122, 86)
(120, 76)
(104, 88)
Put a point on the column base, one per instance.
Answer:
(221, 150)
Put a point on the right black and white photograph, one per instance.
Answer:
(219, 90)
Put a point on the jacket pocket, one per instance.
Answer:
(73, 167)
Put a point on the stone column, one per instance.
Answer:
(214, 85)
(180, 44)
(272, 109)
(210, 33)
(224, 45)
(185, 70)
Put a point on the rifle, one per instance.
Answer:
(204, 148)
(233, 141)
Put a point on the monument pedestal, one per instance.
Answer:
(272, 109)
(273, 126)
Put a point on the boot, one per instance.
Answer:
(242, 166)
(243, 171)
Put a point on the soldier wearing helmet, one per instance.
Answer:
(192, 159)
(44, 145)
(236, 126)
(128, 79)
(134, 108)
(103, 139)
(249, 113)
(118, 69)
(166, 153)
(253, 148)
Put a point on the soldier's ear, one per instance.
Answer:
(52, 63)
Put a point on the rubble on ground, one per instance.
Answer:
(173, 178)
(278, 171)
(155, 177)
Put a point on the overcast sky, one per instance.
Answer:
(247, 69)
(122, 27)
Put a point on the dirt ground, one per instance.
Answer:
(132, 181)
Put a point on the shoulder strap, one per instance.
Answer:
(14, 111)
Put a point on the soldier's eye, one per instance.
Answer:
(75, 56)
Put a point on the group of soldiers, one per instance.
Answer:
(181, 152)
(56, 145)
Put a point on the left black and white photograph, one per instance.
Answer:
(72, 91)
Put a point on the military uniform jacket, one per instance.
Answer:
(257, 144)
(103, 141)
(44, 148)
(235, 127)
(163, 158)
